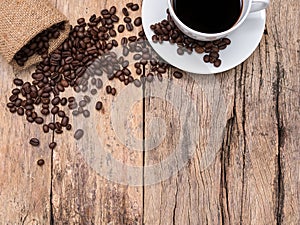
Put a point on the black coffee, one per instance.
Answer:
(208, 16)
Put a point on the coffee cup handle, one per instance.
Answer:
(258, 5)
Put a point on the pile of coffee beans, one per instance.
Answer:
(166, 30)
(89, 53)
(39, 44)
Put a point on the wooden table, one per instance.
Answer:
(240, 128)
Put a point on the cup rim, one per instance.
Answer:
(208, 35)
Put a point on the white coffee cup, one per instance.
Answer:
(248, 6)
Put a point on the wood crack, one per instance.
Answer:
(51, 180)
(225, 157)
(175, 205)
(279, 178)
(144, 147)
(243, 89)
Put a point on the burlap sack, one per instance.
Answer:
(22, 20)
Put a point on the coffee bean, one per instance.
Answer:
(113, 91)
(112, 33)
(121, 28)
(112, 10)
(39, 120)
(129, 5)
(78, 134)
(217, 63)
(54, 110)
(137, 56)
(115, 18)
(99, 105)
(227, 41)
(125, 51)
(82, 103)
(52, 145)
(138, 21)
(159, 77)
(137, 83)
(134, 7)
(180, 51)
(127, 19)
(108, 89)
(94, 91)
(55, 101)
(34, 142)
(87, 98)
(178, 74)
(65, 121)
(61, 113)
(63, 101)
(214, 54)
(132, 38)
(125, 12)
(86, 113)
(45, 128)
(72, 105)
(206, 58)
(124, 41)
(199, 49)
(69, 127)
(99, 83)
(150, 77)
(10, 105)
(45, 111)
(125, 64)
(71, 99)
(41, 162)
(129, 26)
(20, 111)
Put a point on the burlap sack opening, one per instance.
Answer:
(22, 20)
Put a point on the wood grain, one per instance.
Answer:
(219, 149)
(83, 193)
(24, 186)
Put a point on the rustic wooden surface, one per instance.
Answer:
(241, 129)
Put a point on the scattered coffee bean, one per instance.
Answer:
(178, 74)
(129, 26)
(121, 28)
(138, 21)
(134, 7)
(86, 113)
(108, 89)
(52, 145)
(125, 12)
(18, 82)
(45, 128)
(34, 142)
(41, 162)
(99, 105)
(113, 91)
(137, 83)
(127, 19)
(94, 91)
(78, 134)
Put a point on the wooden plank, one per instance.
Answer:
(241, 186)
(284, 48)
(192, 116)
(88, 185)
(24, 186)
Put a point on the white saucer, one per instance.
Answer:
(243, 41)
